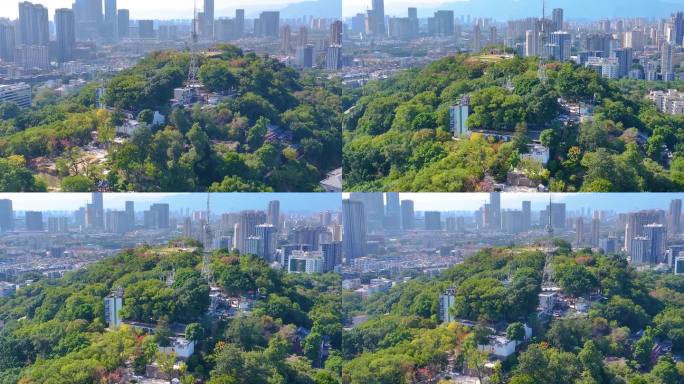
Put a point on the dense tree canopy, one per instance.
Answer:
(273, 128)
(55, 332)
(500, 286)
(397, 131)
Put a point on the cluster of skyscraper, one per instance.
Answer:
(305, 52)
(490, 216)
(92, 218)
(634, 48)
(543, 37)
(610, 48)
(646, 233)
(27, 42)
(298, 247)
(374, 23)
(365, 213)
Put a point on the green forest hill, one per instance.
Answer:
(277, 130)
(631, 315)
(397, 131)
(54, 329)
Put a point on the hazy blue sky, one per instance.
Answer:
(315, 202)
(497, 9)
(619, 202)
(156, 9)
(511, 9)
(220, 202)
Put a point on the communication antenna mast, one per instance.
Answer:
(541, 73)
(194, 59)
(208, 237)
(548, 245)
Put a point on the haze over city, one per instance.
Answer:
(176, 9)
(240, 260)
(616, 202)
(292, 202)
(503, 10)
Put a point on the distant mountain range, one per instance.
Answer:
(574, 9)
(329, 9)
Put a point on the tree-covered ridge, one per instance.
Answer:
(397, 133)
(54, 330)
(273, 129)
(632, 314)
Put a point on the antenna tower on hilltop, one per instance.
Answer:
(541, 72)
(548, 245)
(208, 239)
(193, 71)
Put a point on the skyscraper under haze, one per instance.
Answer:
(392, 211)
(130, 215)
(656, 233)
(557, 19)
(8, 40)
(494, 214)
(110, 19)
(246, 227)
(97, 216)
(675, 216)
(374, 209)
(678, 28)
(240, 22)
(274, 213)
(408, 216)
(336, 33)
(635, 223)
(526, 215)
(157, 217)
(579, 231)
(6, 215)
(354, 223)
(34, 221)
(433, 221)
(123, 21)
(666, 62)
(209, 19)
(110, 13)
(33, 24)
(88, 14)
(268, 24)
(595, 230)
(378, 18)
(65, 26)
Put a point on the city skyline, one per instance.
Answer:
(174, 9)
(500, 10)
(617, 202)
(507, 10)
(228, 202)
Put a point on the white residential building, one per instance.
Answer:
(113, 305)
(128, 127)
(19, 94)
(458, 118)
(670, 101)
(446, 301)
(182, 347)
(607, 67)
(538, 152)
(499, 346)
(306, 262)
